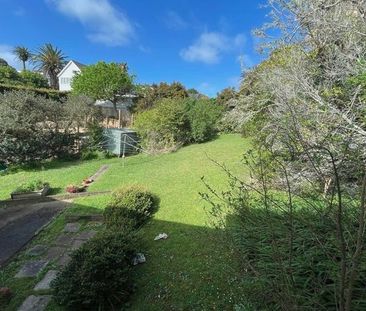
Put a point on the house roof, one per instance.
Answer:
(123, 103)
(79, 65)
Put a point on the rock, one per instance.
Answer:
(72, 227)
(36, 250)
(45, 283)
(161, 236)
(138, 259)
(31, 268)
(35, 303)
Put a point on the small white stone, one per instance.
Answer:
(139, 258)
(161, 236)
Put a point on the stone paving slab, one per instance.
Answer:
(72, 227)
(64, 240)
(100, 172)
(35, 303)
(45, 283)
(85, 235)
(77, 244)
(55, 252)
(37, 250)
(31, 268)
(64, 260)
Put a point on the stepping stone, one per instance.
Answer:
(35, 303)
(77, 244)
(31, 268)
(55, 252)
(64, 260)
(100, 172)
(64, 240)
(36, 250)
(46, 281)
(72, 227)
(85, 235)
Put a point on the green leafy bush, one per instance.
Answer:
(9, 75)
(165, 127)
(33, 79)
(99, 274)
(203, 117)
(33, 185)
(176, 122)
(132, 205)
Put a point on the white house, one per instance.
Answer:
(67, 74)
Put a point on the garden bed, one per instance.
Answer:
(30, 194)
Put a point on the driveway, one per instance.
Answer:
(20, 221)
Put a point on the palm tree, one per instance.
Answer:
(50, 60)
(23, 54)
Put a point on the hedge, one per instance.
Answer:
(48, 93)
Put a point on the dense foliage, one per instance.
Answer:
(150, 95)
(164, 127)
(173, 123)
(45, 92)
(28, 128)
(203, 116)
(9, 76)
(133, 205)
(99, 274)
(33, 79)
(299, 223)
(35, 128)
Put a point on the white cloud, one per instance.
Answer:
(210, 46)
(105, 23)
(6, 52)
(174, 21)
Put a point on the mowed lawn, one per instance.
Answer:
(195, 268)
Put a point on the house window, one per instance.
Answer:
(65, 80)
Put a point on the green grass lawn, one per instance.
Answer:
(58, 173)
(194, 269)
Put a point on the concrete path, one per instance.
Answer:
(19, 222)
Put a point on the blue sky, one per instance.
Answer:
(197, 42)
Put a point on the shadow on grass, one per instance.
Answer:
(193, 269)
(56, 190)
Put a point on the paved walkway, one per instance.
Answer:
(20, 221)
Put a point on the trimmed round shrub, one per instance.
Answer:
(132, 205)
(98, 275)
